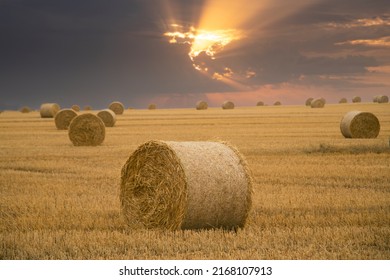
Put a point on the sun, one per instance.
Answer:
(206, 42)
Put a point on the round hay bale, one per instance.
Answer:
(64, 117)
(25, 109)
(117, 107)
(356, 124)
(108, 117)
(167, 185)
(343, 100)
(227, 105)
(201, 105)
(87, 108)
(356, 99)
(260, 103)
(76, 108)
(49, 110)
(308, 101)
(87, 130)
(318, 103)
(277, 103)
(152, 107)
(376, 98)
(383, 99)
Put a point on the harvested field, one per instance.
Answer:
(316, 194)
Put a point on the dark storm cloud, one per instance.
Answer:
(94, 51)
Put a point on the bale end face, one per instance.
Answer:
(64, 117)
(228, 105)
(86, 130)
(201, 105)
(117, 107)
(167, 185)
(108, 117)
(49, 110)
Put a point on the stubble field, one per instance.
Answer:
(316, 194)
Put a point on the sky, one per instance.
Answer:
(176, 52)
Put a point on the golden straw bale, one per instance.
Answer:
(152, 107)
(228, 105)
(49, 110)
(356, 124)
(76, 108)
(201, 105)
(87, 130)
(108, 117)
(277, 103)
(376, 98)
(308, 101)
(117, 107)
(64, 117)
(356, 99)
(25, 109)
(318, 103)
(167, 185)
(343, 100)
(260, 103)
(383, 99)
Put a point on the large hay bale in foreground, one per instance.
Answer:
(117, 107)
(356, 124)
(201, 105)
(64, 117)
(356, 99)
(108, 117)
(343, 100)
(308, 101)
(167, 185)
(383, 99)
(87, 130)
(227, 105)
(318, 103)
(49, 110)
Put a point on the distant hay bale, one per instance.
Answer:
(343, 100)
(356, 99)
(87, 130)
(201, 105)
(152, 107)
(87, 108)
(318, 103)
(277, 103)
(308, 101)
(167, 185)
(227, 105)
(49, 110)
(108, 117)
(117, 107)
(25, 109)
(76, 108)
(64, 117)
(383, 99)
(376, 98)
(356, 124)
(260, 103)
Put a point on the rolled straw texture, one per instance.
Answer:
(64, 117)
(86, 130)
(49, 110)
(167, 185)
(318, 103)
(108, 117)
(201, 105)
(117, 107)
(308, 101)
(356, 124)
(228, 105)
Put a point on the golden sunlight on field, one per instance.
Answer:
(317, 195)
